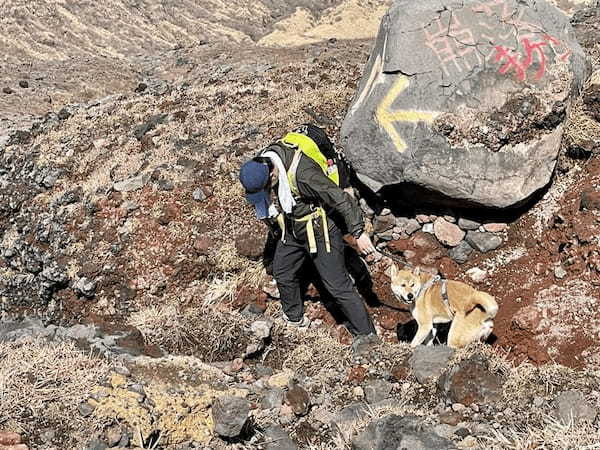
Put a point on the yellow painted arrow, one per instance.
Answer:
(387, 117)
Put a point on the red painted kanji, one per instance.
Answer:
(519, 63)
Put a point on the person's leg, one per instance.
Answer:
(287, 262)
(332, 269)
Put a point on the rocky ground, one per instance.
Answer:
(136, 312)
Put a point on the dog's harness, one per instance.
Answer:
(436, 278)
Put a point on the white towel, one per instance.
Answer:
(284, 193)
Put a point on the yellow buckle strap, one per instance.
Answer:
(310, 230)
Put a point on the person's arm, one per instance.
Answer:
(313, 184)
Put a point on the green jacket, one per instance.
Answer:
(318, 190)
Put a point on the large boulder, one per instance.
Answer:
(463, 103)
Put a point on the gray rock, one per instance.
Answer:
(86, 287)
(272, 399)
(412, 131)
(132, 184)
(428, 361)
(470, 382)
(78, 332)
(461, 252)
(343, 421)
(85, 409)
(408, 226)
(573, 408)
(165, 185)
(377, 391)
(229, 415)
(384, 223)
(261, 328)
(276, 438)
(199, 195)
(483, 241)
(152, 123)
(96, 444)
(396, 432)
(560, 272)
(468, 225)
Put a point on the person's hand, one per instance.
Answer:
(364, 244)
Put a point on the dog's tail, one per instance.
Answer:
(488, 303)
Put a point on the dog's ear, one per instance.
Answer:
(393, 271)
(417, 271)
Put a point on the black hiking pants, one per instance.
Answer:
(287, 262)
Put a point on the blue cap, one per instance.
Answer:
(254, 176)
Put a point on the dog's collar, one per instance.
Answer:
(424, 288)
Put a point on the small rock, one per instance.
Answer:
(377, 391)
(447, 233)
(495, 227)
(8, 438)
(96, 444)
(276, 438)
(538, 402)
(461, 252)
(23, 84)
(251, 245)
(423, 218)
(85, 409)
(113, 435)
(469, 442)
(273, 399)
(358, 392)
(384, 223)
(560, 272)
(132, 184)
(590, 200)
(476, 274)
(141, 87)
(483, 241)
(230, 415)
(573, 408)
(261, 328)
(281, 380)
(467, 224)
(458, 407)
(408, 226)
(345, 419)
(7, 90)
(471, 382)
(451, 418)
(203, 245)
(165, 185)
(428, 361)
(298, 399)
(86, 287)
(200, 194)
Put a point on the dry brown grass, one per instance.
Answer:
(42, 384)
(581, 130)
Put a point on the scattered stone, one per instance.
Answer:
(343, 421)
(471, 382)
(86, 287)
(560, 272)
(281, 380)
(495, 227)
(165, 185)
(428, 361)
(132, 184)
(298, 399)
(96, 444)
(261, 328)
(467, 224)
(203, 245)
(23, 84)
(461, 252)
(141, 130)
(396, 432)
(85, 409)
(423, 218)
(384, 223)
(64, 113)
(590, 200)
(230, 415)
(377, 390)
(358, 392)
(408, 226)
(276, 438)
(573, 408)
(483, 241)
(141, 87)
(201, 194)
(251, 245)
(451, 418)
(273, 399)
(113, 435)
(7, 90)
(8, 438)
(476, 274)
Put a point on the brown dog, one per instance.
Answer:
(471, 311)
